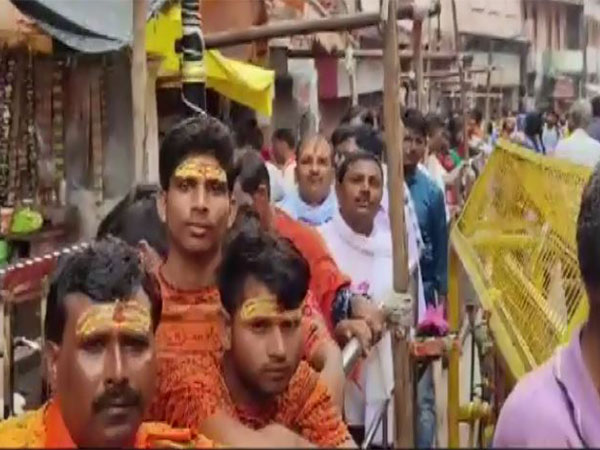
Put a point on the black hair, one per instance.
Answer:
(534, 126)
(268, 257)
(414, 120)
(365, 115)
(588, 231)
(135, 218)
(369, 140)
(285, 135)
(106, 271)
(595, 101)
(477, 116)
(353, 158)
(434, 123)
(342, 134)
(199, 135)
(250, 171)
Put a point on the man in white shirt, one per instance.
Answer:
(362, 248)
(284, 156)
(579, 147)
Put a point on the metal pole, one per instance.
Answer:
(454, 357)
(193, 72)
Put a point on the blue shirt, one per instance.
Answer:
(429, 203)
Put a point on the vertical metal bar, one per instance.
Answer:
(193, 71)
(43, 307)
(8, 383)
(454, 358)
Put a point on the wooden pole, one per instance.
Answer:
(344, 22)
(429, 48)
(394, 132)
(488, 86)
(417, 35)
(463, 94)
(138, 89)
(584, 44)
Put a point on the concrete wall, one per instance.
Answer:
(478, 16)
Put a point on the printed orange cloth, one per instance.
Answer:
(305, 407)
(191, 330)
(45, 428)
(325, 276)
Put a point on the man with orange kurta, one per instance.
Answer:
(100, 321)
(261, 380)
(196, 205)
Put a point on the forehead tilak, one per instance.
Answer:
(130, 315)
(265, 306)
(195, 167)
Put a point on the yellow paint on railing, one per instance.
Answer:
(516, 241)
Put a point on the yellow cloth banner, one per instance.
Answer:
(245, 83)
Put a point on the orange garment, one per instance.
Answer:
(191, 331)
(45, 428)
(325, 277)
(305, 407)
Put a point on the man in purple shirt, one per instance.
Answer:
(558, 404)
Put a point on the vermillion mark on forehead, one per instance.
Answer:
(128, 316)
(197, 167)
(267, 307)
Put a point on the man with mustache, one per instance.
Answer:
(101, 315)
(346, 314)
(261, 380)
(362, 247)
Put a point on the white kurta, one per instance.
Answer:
(368, 262)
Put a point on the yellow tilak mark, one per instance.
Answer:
(267, 307)
(195, 168)
(130, 316)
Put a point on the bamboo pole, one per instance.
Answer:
(463, 94)
(344, 22)
(375, 53)
(394, 132)
(138, 89)
(488, 88)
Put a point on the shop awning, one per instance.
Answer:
(245, 83)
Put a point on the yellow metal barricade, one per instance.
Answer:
(516, 242)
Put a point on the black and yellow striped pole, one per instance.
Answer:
(193, 71)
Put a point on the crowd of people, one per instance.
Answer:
(213, 307)
(574, 136)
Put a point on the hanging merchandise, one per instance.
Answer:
(96, 137)
(58, 125)
(25, 221)
(5, 100)
(12, 81)
(28, 167)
